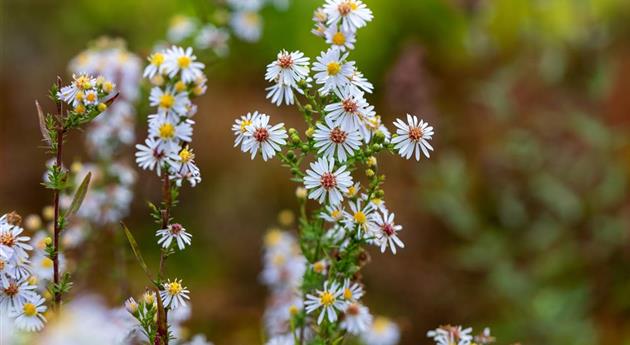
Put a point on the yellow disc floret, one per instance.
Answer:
(167, 130)
(326, 298)
(184, 61)
(174, 288)
(29, 309)
(167, 100)
(156, 59)
(339, 39)
(333, 68)
(359, 217)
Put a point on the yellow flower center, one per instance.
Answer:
(352, 191)
(183, 61)
(47, 263)
(29, 309)
(244, 125)
(32, 280)
(167, 130)
(336, 214)
(273, 238)
(108, 86)
(180, 86)
(174, 288)
(91, 97)
(347, 293)
(252, 18)
(377, 201)
(339, 39)
(79, 96)
(79, 109)
(156, 59)
(326, 298)
(319, 267)
(333, 68)
(186, 156)
(293, 309)
(359, 217)
(278, 260)
(380, 324)
(167, 100)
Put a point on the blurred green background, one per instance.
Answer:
(520, 221)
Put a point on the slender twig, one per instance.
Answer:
(56, 225)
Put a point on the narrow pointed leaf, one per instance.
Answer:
(136, 251)
(42, 123)
(79, 196)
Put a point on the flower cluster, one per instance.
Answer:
(18, 290)
(176, 76)
(456, 335)
(241, 17)
(343, 136)
(87, 95)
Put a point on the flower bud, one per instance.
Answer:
(292, 131)
(295, 139)
(48, 241)
(48, 212)
(371, 161)
(379, 136)
(308, 109)
(286, 217)
(369, 172)
(301, 192)
(310, 131)
(149, 297)
(102, 107)
(131, 305)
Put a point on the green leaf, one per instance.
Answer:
(79, 196)
(136, 252)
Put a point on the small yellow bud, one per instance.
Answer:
(158, 80)
(293, 310)
(369, 172)
(371, 161)
(32, 280)
(102, 107)
(180, 86)
(310, 131)
(300, 192)
(79, 109)
(149, 297)
(48, 241)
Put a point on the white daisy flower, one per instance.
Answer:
(324, 182)
(29, 317)
(353, 14)
(169, 102)
(240, 126)
(11, 243)
(247, 25)
(332, 140)
(156, 65)
(359, 217)
(327, 299)
(288, 68)
(215, 38)
(174, 232)
(352, 291)
(332, 214)
(184, 168)
(90, 97)
(283, 269)
(451, 335)
(360, 83)
(382, 332)
(267, 138)
(320, 267)
(354, 190)
(180, 28)
(352, 112)
(333, 71)
(151, 156)
(80, 83)
(179, 60)
(13, 294)
(340, 39)
(385, 231)
(413, 136)
(174, 294)
(357, 318)
(168, 134)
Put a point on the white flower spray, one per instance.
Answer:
(343, 135)
(177, 77)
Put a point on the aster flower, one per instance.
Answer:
(359, 217)
(324, 182)
(281, 93)
(327, 300)
(360, 83)
(170, 102)
(357, 318)
(382, 332)
(177, 60)
(11, 243)
(352, 291)
(353, 14)
(215, 38)
(240, 126)
(180, 28)
(332, 214)
(14, 293)
(385, 231)
(247, 25)
(174, 294)
(184, 168)
(288, 69)
(155, 66)
(261, 135)
(351, 112)
(340, 39)
(333, 71)
(169, 134)
(413, 136)
(451, 335)
(174, 232)
(151, 156)
(29, 316)
(80, 84)
(333, 141)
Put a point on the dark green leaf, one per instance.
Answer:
(79, 196)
